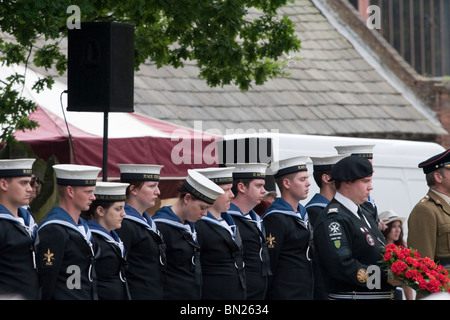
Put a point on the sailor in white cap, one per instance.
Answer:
(65, 240)
(142, 240)
(364, 151)
(322, 176)
(288, 233)
(176, 223)
(248, 189)
(105, 214)
(221, 243)
(18, 276)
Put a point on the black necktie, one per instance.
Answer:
(360, 214)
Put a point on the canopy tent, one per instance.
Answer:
(133, 138)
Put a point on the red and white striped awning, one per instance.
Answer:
(132, 137)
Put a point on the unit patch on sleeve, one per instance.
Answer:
(334, 228)
(337, 244)
(48, 258)
(271, 241)
(334, 232)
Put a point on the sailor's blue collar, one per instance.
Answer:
(167, 216)
(58, 213)
(317, 200)
(224, 215)
(144, 218)
(95, 226)
(234, 207)
(235, 210)
(28, 221)
(166, 213)
(22, 213)
(131, 211)
(282, 206)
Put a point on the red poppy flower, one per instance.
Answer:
(422, 274)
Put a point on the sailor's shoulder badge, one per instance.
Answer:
(270, 241)
(48, 258)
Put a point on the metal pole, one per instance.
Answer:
(105, 146)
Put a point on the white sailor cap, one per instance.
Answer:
(139, 172)
(290, 165)
(248, 170)
(76, 175)
(365, 151)
(201, 187)
(16, 167)
(110, 191)
(324, 164)
(218, 175)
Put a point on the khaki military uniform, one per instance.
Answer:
(429, 228)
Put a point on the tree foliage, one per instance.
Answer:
(240, 42)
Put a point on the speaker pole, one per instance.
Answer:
(105, 146)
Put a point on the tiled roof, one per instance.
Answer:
(332, 90)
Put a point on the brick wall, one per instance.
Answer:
(435, 93)
(442, 107)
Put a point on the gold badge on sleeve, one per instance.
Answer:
(48, 258)
(362, 275)
(271, 241)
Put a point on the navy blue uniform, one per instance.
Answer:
(145, 250)
(65, 256)
(18, 274)
(221, 258)
(183, 269)
(110, 264)
(256, 257)
(288, 239)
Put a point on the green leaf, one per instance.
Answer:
(228, 45)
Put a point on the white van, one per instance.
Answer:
(398, 183)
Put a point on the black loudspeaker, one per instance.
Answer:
(100, 75)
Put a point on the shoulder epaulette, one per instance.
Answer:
(333, 208)
(425, 199)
